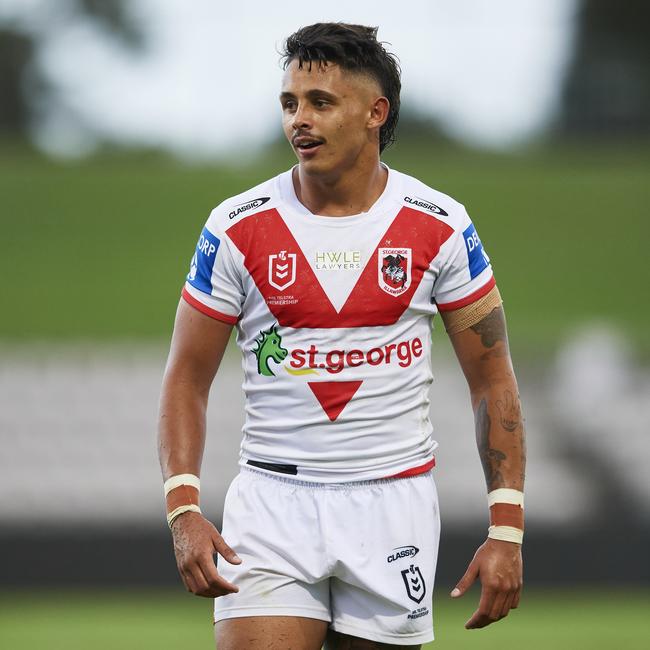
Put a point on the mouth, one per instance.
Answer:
(306, 145)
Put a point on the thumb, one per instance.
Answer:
(466, 581)
(224, 550)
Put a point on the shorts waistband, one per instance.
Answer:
(274, 467)
(295, 482)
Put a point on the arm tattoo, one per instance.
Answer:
(509, 412)
(491, 459)
(492, 328)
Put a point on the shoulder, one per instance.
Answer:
(262, 197)
(419, 196)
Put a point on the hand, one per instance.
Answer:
(195, 542)
(498, 566)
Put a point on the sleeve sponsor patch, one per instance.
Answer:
(200, 275)
(477, 257)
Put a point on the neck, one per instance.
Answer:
(345, 194)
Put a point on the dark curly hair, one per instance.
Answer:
(354, 48)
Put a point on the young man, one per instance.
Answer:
(332, 273)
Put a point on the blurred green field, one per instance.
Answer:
(98, 249)
(164, 621)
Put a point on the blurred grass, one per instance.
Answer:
(128, 620)
(98, 250)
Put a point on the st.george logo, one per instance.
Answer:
(394, 270)
(282, 270)
(414, 582)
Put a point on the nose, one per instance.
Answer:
(302, 118)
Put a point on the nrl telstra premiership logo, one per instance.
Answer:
(282, 270)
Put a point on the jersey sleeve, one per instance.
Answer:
(213, 284)
(465, 273)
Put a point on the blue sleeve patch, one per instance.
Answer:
(200, 275)
(477, 257)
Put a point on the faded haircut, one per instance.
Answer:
(354, 48)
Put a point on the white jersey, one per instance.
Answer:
(333, 318)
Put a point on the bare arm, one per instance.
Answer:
(197, 347)
(483, 353)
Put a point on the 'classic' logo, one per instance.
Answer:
(249, 205)
(427, 205)
(402, 551)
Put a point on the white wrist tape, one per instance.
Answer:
(189, 507)
(506, 534)
(506, 495)
(506, 515)
(180, 501)
(181, 479)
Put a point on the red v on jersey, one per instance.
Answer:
(334, 396)
(264, 235)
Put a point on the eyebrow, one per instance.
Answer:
(311, 94)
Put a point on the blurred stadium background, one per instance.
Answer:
(101, 200)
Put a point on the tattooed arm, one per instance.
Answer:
(483, 353)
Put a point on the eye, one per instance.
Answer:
(289, 105)
(321, 103)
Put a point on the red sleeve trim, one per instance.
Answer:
(468, 300)
(213, 313)
(414, 471)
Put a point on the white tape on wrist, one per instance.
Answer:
(506, 534)
(189, 507)
(506, 515)
(506, 495)
(181, 479)
(186, 500)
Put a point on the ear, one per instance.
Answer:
(378, 113)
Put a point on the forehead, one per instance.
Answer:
(331, 77)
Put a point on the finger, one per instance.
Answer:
(224, 550)
(217, 585)
(198, 580)
(515, 600)
(507, 605)
(184, 576)
(188, 581)
(480, 618)
(184, 579)
(477, 621)
(497, 605)
(466, 581)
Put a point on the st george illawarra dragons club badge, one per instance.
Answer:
(394, 270)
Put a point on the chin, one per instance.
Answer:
(316, 167)
(325, 167)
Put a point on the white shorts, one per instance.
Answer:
(361, 556)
